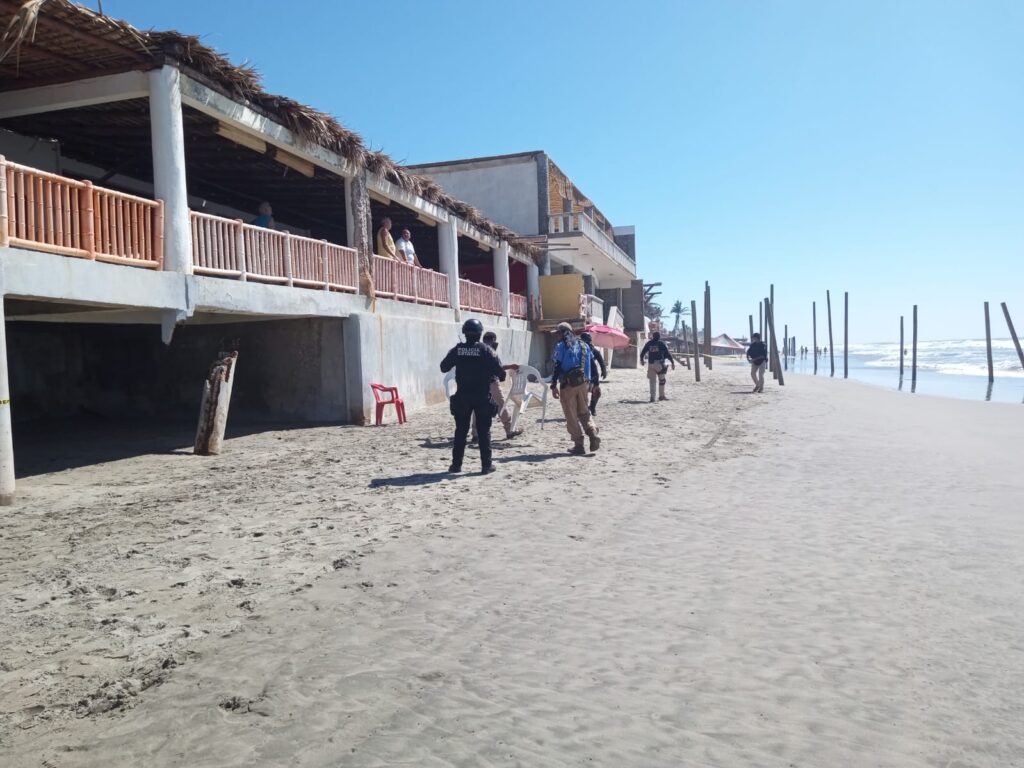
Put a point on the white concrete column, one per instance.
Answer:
(168, 134)
(448, 255)
(350, 218)
(500, 256)
(532, 285)
(6, 437)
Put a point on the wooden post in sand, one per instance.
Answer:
(831, 349)
(773, 350)
(760, 319)
(901, 347)
(814, 327)
(707, 326)
(751, 335)
(846, 335)
(696, 355)
(988, 344)
(769, 306)
(785, 346)
(686, 347)
(1013, 333)
(213, 412)
(913, 359)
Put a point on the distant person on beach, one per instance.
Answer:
(757, 356)
(596, 361)
(406, 249)
(658, 358)
(569, 386)
(386, 243)
(475, 366)
(265, 216)
(491, 340)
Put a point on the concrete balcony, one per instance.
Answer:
(596, 248)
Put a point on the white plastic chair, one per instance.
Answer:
(520, 394)
(449, 379)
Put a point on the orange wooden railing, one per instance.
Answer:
(479, 298)
(228, 248)
(517, 305)
(46, 212)
(406, 282)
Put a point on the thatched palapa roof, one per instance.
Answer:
(49, 41)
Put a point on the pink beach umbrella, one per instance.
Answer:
(606, 337)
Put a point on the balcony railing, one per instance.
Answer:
(517, 305)
(479, 298)
(228, 248)
(46, 212)
(406, 282)
(581, 223)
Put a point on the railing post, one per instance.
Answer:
(323, 250)
(240, 249)
(158, 235)
(288, 257)
(88, 221)
(5, 236)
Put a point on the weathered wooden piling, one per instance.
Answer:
(831, 348)
(213, 411)
(773, 352)
(1013, 334)
(814, 329)
(696, 351)
(846, 335)
(988, 344)
(901, 347)
(913, 358)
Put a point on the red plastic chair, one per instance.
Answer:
(394, 400)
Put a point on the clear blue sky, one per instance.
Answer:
(875, 147)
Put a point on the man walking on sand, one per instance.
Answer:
(569, 386)
(596, 362)
(659, 357)
(475, 364)
(757, 356)
(497, 396)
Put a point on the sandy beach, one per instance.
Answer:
(825, 575)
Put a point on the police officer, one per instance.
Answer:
(659, 358)
(475, 365)
(596, 362)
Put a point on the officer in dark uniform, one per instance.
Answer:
(475, 364)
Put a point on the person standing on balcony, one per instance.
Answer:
(497, 396)
(265, 217)
(407, 251)
(658, 358)
(386, 243)
(475, 366)
(596, 362)
(569, 386)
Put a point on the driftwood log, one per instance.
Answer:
(213, 412)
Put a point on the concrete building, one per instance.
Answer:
(130, 163)
(530, 194)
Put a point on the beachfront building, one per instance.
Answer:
(135, 243)
(531, 195)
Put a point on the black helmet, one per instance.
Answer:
(472, 327)
(587, 337)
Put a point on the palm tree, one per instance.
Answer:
(679, 310)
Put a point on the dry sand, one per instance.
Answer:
(825, 575)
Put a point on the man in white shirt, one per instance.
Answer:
(405, 248)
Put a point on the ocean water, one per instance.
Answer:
(952, 368)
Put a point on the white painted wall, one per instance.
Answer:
(505, 191)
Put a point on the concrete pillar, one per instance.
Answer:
(6, 437)
(532, 287)
(168, 134)
(545, 268)
(500, 256)
(350, 218)
(448, 253)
